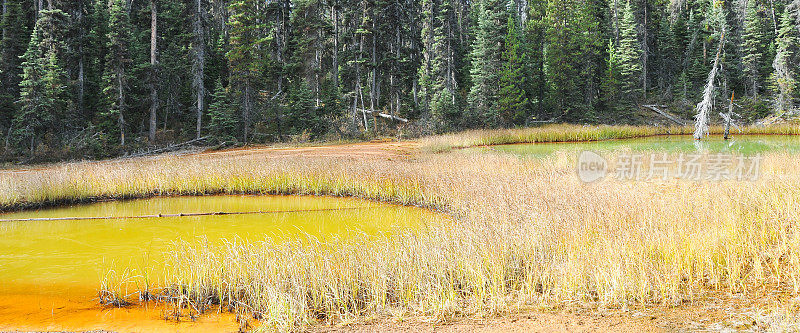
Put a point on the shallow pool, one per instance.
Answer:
(743, 144)
(49, 267)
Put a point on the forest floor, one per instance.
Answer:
(378, 149)
(723, 312)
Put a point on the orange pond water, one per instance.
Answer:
(50, 271)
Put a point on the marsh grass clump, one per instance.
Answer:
(116, 288)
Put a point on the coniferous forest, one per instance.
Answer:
(97, 78)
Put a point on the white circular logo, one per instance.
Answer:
(591, 166)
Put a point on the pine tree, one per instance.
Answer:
(784, 78)
(222, 120)
(486, 62)
(574, 48)
(244, 57)
(629, 54)
(115, 76)
(512, 104)
(301, 116)
(44, 95)
(437, 72)
(14, 41)
(622, 84)
(755, 47)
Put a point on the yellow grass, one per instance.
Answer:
(526, 233)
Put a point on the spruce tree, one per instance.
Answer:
(222, 120)
(574, 48)
(622, 83)
(244, 56)
(784, 78)
(437, 73)
(12, 46)
(425, 74)
(115, 76)
(755, 48)
(300, 118)
(486, 56)
(44, 94)
(629, 54)
(512, 104)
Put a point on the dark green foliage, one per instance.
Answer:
(487, 50)
(756, 48)
(787, 57)
(222, 115)
(12, 46)
(117, 71)
(44, 98)
(571, 59)
(622, 86)
(512, 104)
(80, 82)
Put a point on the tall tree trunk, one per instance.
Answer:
(5, 12)
(246, 109)
(318, 49)
(774, 18)
(153, 70)
(335, 14)
(81, 84)
(199, 65)
(121, 101)
(373, 86)
(645, 51)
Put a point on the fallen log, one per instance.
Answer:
(168, 148)
(383, 115)
(665, 115)
(37, 219)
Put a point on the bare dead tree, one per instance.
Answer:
(153, 70)
(705, 106)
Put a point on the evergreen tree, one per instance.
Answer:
(44, 97)
(574, 44)
(244, 57)
(301, 117)
(487, 50)
(512, 104)
(629, 54)
(12, 46)
(622, 85)
(755, 47)
(784, 79)
(115, 76)
(534, 45)
(222, 120)
(437, 72)
(425, 72)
